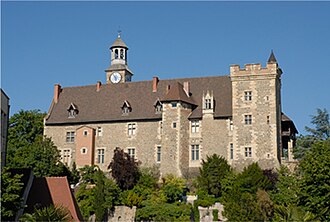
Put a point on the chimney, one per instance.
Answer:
(98, 86)
(57, 91)
(155, 81)
(168, 87)
(186, 87)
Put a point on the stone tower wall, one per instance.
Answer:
(263, 135)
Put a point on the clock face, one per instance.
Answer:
(115, 77)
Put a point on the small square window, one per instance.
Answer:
(70, 137)
(174, 105)
(83, 150)
(248, 119)
(248, 95)
(131, 129)
(195, 126)
(85, 133)
(248, 151)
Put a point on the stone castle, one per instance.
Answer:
(174, 123)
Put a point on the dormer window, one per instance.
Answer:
(126, 108)
(158, 107)
(72, 111)
(208, 101)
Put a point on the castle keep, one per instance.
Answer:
(173, 123)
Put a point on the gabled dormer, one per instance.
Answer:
(158, 106)
(126, 108)
(72, 110)
(208, 102)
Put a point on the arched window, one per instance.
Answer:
(116, 54)
(122, 53)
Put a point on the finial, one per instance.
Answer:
(119, 32)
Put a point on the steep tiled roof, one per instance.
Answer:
(105, 105)
(285, 118)
(53, 190)
(177, 93)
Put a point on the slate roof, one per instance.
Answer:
(272, 58)
(177, 93)
(105, 105)
(119, 43)
(287, 120)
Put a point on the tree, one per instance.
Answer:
(11, 187)
(99, 201)
(124, 169)
(315, 182)
(172, 188)
(321, 132)
(212, 173)
(51, 213)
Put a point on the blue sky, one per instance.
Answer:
(43, 43)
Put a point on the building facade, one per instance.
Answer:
(173, 123)
(4, 126)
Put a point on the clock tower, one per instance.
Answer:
(118, 71)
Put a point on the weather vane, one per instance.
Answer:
(119, 32)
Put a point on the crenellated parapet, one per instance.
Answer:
(256, 70)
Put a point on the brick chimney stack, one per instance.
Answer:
(186, 87)
(98, 86)
(57, 91)
(155, 81)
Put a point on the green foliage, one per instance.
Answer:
(293, 213)
(124, 169)
(11, 187)
(88, 173)
(99, 200)
(321, 132)
(241, 200)
(97, 194)
(287, 188)
(204, 199)
(215, 214)
(74, 175)
(85, 199)
(212, 173)
(173, 188)
(24, 128)
(164, 212)
(315, 182)
(51, 213)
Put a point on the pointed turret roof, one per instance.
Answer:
(119, 43)
(272, 58)
(177, 93)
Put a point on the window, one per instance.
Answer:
(248, 119)
(268, 119)
(248, 151)
(131, 129)
(100, 156)
(231, 151)
(159, 153)
(126, 108)
(99, 131)
(70, 137)
(248, 95)
(85, 133)
(66, 156)
(194, 152)
(159, 108)
(83, 150)
(131, 152)
(195, 126)
(231, 125)
(207, 103)
(72, 111)
(116, 54)
(122, 54)
(160, 127)
(174, 105)
(174, 125)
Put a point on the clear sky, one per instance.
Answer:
(43, 43)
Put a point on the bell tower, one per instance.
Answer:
(118, 72)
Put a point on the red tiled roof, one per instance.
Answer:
(177, 93)
(62, 196)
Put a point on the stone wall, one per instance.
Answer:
(206, 213)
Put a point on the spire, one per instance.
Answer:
(272, 58)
